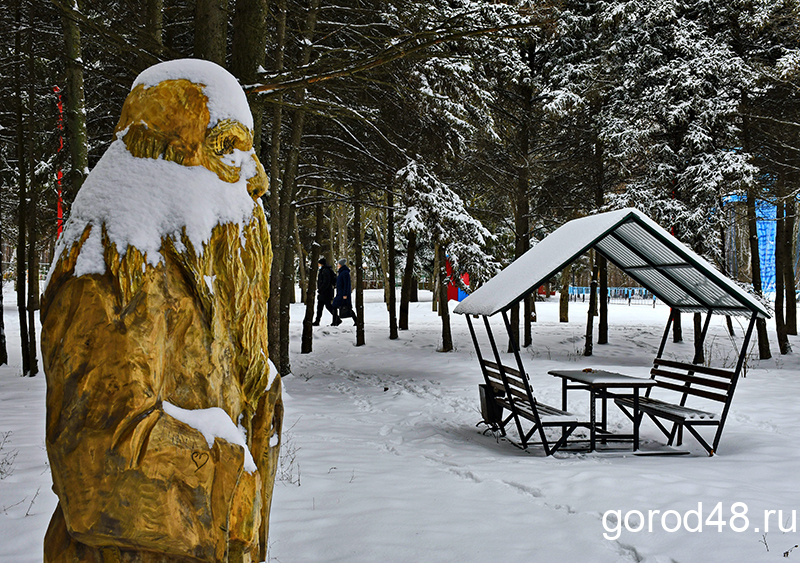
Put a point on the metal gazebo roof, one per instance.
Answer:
(636, 244)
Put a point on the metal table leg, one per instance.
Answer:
(636, 418)
(563, 403)
(592, 417)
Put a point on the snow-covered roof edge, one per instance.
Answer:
(566, 244)
(540, 263)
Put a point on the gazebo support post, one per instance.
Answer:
(663, 344)
(698, 343)
(488, 390)
(476, 345)
(737, 374)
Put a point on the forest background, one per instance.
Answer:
(404, 135)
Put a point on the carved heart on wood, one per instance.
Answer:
(199, 459)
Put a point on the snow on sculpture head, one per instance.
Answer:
(182, 163)
(194, 113)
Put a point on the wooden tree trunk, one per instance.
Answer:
(755, 267)
(22, 227)
(3, 344)
(437, 280)
(790, 282)
(528, 312)
(602, 321)
(75, 107)
(301, 257)
(288, 192)
(276, 235)
(699, 353)
(563, 301)
(444, 310)
(523, 240)
(600, 261)
(780, 291)
(408, 280)
(752, 232)
(588, 346)
(154, 21)
(521, 206)
(378, 230)
(391, 274)
(33, 292)
(358, 266)
(211, 30)
(29, 207)
(288, 186)
(285, 298)
(513, 337)
(306, 340)
(677, 329)
(248, 50)
(725, 268)
(342, 242)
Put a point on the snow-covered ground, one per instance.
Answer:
(382, 459)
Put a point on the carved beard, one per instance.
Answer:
(228, 288)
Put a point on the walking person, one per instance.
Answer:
(342, 300)
(326, 283)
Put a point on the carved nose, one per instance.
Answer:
(258, 184)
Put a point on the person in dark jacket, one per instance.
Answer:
(342, 301)
(326, 282)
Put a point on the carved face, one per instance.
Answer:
(171, 121)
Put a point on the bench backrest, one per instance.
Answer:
(691, 379)
(518, 385)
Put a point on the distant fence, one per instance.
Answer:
(620, 295)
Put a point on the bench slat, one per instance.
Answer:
(692, 391)
(655, 406)
(519, 395)
(515, 386)
(495, 367)
(497, 387)
(696, 368)
(694, 380)
(546, 412)
(513, 381)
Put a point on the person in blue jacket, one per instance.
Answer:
(344, 288)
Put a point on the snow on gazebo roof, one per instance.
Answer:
(636, 244)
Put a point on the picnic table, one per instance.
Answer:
(603, 385)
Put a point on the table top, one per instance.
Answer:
(602, 378)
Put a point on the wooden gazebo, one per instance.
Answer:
(644, 251)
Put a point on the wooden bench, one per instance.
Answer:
(677, 381)
(509, 389)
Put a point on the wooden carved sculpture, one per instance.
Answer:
(163, 415)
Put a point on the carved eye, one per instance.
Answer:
(227, 146)
(224, 144)
(227, 136)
